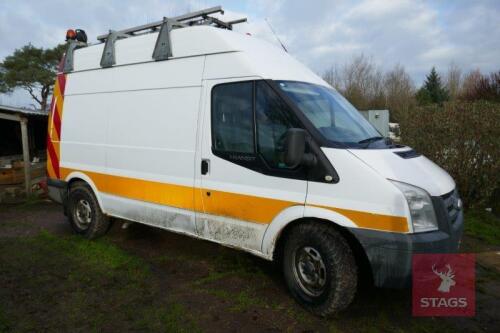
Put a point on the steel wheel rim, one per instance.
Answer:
(309, 270)
(83, 214)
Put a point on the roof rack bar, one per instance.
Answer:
(220, 23)
(163, 46)
(242, 20)
(153, 25)
(108, 54)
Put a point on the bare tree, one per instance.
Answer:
(399, 92)
(333, 76)
(364, 84)
(481, 87)
(360, 81)
(453, 80)
(470, 82)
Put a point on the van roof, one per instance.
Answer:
(258, 57)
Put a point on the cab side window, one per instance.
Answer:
(273, 119)
(249, 125)
(232, 118)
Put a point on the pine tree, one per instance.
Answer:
(32, 69)
(433, 90)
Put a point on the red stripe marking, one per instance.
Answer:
(61, 78)
(57, 122)
(53, 158)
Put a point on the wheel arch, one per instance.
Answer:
(77, 176)
(276, 235)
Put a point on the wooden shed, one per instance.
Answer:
(23, 135)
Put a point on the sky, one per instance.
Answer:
(319, 33)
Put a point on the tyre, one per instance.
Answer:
(85, 215)
(320, 269)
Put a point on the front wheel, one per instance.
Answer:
(85, 215)
(319, 268)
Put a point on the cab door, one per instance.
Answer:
(242, 183)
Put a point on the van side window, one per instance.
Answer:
(232, 117)
(273, 119)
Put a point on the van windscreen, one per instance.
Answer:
(330, 113)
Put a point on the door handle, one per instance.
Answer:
(205, 164)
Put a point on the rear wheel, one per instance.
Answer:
(85, 215)
(320, 269)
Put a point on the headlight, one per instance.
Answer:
(422, 212)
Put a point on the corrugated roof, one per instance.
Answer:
(29, 112)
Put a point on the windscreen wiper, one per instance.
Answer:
(372, 139)
(369, 141)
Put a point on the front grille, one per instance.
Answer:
(452, 206)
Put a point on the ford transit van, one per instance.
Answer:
(188, 126)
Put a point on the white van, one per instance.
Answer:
(203, 131)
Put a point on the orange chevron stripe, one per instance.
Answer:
(55, 127)
(56, 145)
(53, 159)
(58, 97)
(56, 119)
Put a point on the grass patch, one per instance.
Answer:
(483, 225)
(211, 277)
(485, 276)
(57, 283)
(30, 202)
(14, 224)
(232, 265)
(245, 301)
(169, 319)
(385, 310)
(99, 255)
(241, 301)
(4, 322)
(383, 322)
(239, 266)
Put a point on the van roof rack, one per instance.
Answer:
(200, 17)
(163, 47)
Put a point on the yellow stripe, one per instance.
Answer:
(52, 129)
(59, 98)
(371, 220)
(243, 207)
(58, 105)
(239, 206)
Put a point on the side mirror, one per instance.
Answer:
(295, 149)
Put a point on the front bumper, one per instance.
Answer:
(390, 254)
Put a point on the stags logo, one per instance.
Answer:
(446, 279)
(443, 285)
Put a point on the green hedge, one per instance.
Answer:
(464, 139)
